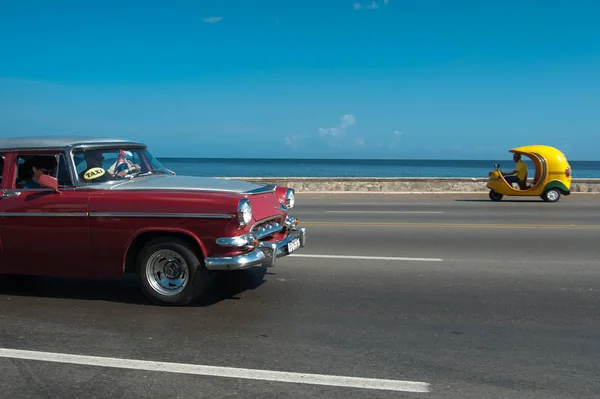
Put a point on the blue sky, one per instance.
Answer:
(334, 79)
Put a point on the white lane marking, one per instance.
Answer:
(366, 257)
(413, 212)
(388, 203)
(231, 372)
(392, 192)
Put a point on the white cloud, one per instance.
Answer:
(292, 140)
(336, 137)
(347, 121)
(372, 6)
(212, 20)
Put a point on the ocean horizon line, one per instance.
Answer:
(326, 167)
(411, 160)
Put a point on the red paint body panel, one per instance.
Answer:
(112, 234)
(265, 206)
(55, 245)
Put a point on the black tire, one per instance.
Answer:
(494, 196)
(551, 195)
(181, 257)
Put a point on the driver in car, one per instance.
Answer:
(95, 171)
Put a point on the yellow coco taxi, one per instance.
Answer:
(551, 179)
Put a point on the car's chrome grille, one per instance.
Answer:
(265, 228)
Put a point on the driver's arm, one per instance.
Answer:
(130, 168)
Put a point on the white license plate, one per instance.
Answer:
(293, 245)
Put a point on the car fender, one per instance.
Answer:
(145, 230)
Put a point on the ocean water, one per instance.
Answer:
(353, 168)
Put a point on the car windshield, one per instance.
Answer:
(99, 165)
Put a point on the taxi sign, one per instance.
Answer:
(94, 173)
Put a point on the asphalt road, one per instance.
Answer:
(467, 299)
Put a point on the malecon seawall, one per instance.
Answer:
(397, 184)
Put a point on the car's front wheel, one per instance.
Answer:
(170, 271)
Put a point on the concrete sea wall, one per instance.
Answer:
(399, 185)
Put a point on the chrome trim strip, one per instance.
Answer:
(10, 194)
(238, 241)
(267, 188)
(271, 228)
(161, 215)
(235, 262)
(117, 215)
(276, 218)
(45, 214)
(38, 190)
(247, 240)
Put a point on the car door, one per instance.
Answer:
(43, 232)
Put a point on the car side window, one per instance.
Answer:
(31, 166)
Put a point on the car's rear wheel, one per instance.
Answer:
(170, 272)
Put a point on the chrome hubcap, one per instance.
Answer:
(552, 195)
(167, 272)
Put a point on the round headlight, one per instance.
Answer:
(290, 198)
(244, 212)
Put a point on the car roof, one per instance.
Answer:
(47, 142)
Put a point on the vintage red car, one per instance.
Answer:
(99, 208)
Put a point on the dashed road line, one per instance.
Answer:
(400, 212)
(433, 225)
(389, 203)
(355, 257)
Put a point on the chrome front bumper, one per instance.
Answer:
(265, 253)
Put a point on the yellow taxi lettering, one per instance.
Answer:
(94, 173)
